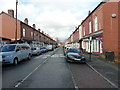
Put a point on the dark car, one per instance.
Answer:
(75, 55)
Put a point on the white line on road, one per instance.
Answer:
(73, 79)
(18, 84)
(102, 76)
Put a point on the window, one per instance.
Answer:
(24, 32)
(84, 31)
(90, 27)
(8, 48)
(96, 23)
(31, 33)
(34, 35)
(80, 32)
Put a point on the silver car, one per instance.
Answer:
(36, 51)
(13, 53)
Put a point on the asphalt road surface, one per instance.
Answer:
(50, 70)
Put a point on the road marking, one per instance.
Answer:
(73, 79)
(18, 84)
(57, 55)
(102, 76)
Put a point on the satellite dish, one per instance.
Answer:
(113, 15)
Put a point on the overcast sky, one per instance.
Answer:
(58, 18)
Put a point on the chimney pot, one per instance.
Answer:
(11, 12)
(34, 26)
(89, 12)
(43, 32)
(26, 21)
(39, 30)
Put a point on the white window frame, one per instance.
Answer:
(80, 32)
(90, 27)
(96, 23)
(24, 32)
(31, 33)
(84, 31)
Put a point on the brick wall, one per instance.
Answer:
(9, 27)
(110, 35)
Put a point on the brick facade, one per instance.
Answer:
(104, 29)
(25, 33)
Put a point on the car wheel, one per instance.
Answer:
(15, 61)
(29, 57)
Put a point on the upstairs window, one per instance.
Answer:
(83, 31)
(90, 27)
(31, 33)
(96, 23)
(24, 32)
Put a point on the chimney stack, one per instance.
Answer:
(34, 26)
(11, 12)
(39, 30)
(89, 12)
(26, 21)
(43, 32)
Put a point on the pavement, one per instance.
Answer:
(108, 70)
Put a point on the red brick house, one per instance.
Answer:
(25, 33)
(102, 25)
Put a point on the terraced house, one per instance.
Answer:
(100, 30)
(25, 32)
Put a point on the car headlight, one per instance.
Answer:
(69, 56)
(34, 51)
(9, 56)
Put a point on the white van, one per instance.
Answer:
(13, 53)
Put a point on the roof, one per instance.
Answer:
(8, 15)
(93, 11)
(25, 24)
(87, 17)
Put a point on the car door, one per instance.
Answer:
(18, 53)
(23, 52)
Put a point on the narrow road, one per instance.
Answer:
(45, 71)
(50, 70)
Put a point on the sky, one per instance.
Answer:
(58, 18)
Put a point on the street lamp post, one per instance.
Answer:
(90, 49)
(16, 23)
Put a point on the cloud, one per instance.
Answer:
(58, 18)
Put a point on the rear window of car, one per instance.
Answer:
(74, 50)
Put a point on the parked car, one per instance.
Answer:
(50, 48)
(13, 53)
(75, 55)
(43, 49)
(36, 51)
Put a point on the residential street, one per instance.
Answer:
(50, 70)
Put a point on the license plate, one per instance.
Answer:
(77, 59)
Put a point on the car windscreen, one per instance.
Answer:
(74, 50)
(8, 48)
